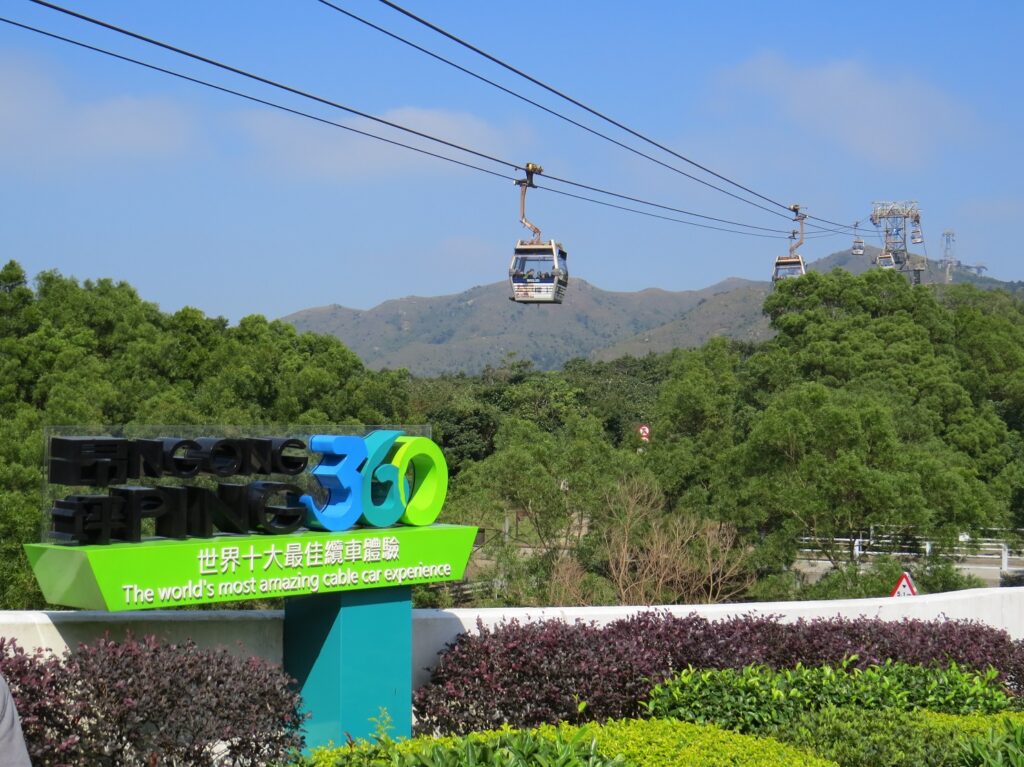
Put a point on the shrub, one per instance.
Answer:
(668, 743)
(52, 717)
(637, 743)
(757, 698)
(525, 674)
(861, 738)
(1000, 747)
(120, 703)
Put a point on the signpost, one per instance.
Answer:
(344, 555)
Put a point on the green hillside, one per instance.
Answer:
(480, 327)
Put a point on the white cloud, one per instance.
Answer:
(305, 149)
(885, 117)
(42, 127)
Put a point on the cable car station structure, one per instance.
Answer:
(892, 218)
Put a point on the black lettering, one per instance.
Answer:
(89, 461)
(289, 456)
(222, 457)
(229, 508)
(139, 503)
(87, 519)
(274, 519)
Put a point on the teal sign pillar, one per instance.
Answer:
(351, 653)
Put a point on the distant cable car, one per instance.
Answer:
(538, 273)
(885, 261)
(791, 265)
(858, 243)
(915, 235)
(857, 249)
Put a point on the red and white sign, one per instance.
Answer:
(904, 587)
(645, 432)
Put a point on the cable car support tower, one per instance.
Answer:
(893, 219)
(948, 253)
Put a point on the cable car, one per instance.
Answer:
(792, 264)
(538, 273)
(915, 235)
(857, 249)
(788, 266)
(885, 261)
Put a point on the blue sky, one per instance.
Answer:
(201, 199)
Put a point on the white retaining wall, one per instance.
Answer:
(259, 632)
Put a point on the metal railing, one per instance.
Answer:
(978, 552)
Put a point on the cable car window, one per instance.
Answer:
(533, 267)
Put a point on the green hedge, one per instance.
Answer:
(625, 743)
(1002, 746)
(860, 738)
(758, 699)
(669, 743)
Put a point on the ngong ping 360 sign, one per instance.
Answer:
(168, 531)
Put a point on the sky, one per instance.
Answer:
(198, 198)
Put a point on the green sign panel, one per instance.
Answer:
(177, 573)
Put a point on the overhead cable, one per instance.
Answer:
(392, 142)
(550, 111)
(249, 97)
(359, 113)
(591, 110)
(272, 83)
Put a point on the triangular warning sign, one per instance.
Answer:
(904, 587)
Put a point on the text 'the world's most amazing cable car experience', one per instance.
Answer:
(537, 273)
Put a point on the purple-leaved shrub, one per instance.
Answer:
(525, 674)
(141, 702)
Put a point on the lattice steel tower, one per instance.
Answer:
(893, 218)
(948, 253)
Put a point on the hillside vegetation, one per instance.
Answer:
(468, 331)
(874, 403)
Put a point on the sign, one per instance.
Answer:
(365, 522)
(644, 432)
(167, 573)
(904, 587)
(157, 527)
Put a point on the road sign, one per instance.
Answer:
(904, 587)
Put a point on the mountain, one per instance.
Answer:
(480, 326)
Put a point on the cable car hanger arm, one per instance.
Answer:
(523, 184)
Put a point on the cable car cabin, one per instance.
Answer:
(858, 247)
(885, 261)
(538, 273)
(788, 266)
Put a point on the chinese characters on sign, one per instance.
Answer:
(228, 559)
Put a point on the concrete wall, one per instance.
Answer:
(259, 632)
